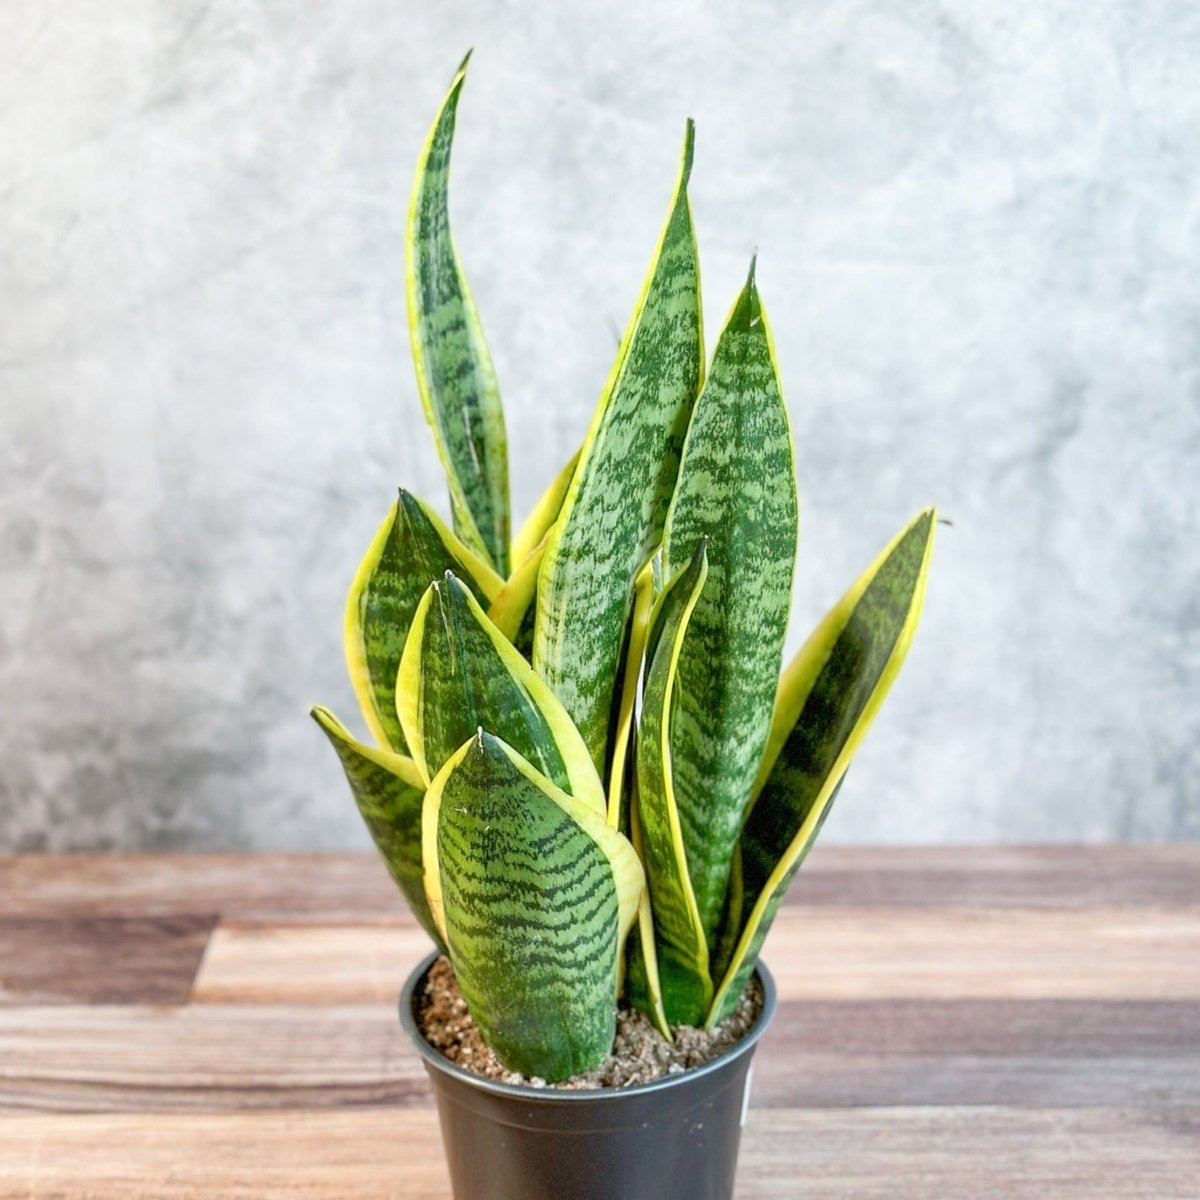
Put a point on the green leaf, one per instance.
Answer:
(611, 519)
(458, 386)
(827, 699)
(536, 895)
(389, 792)
(643, 986)
(411, 549)
(737, 489)
(459, 672)
(635, 649)
(680, 940)
(545, 512)
(512, 605)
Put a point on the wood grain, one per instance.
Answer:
(221, 1058)
(1008, 1023)
(334, 887)
(309, 964)
(847, 953)
(100, 960)
(373, 1154)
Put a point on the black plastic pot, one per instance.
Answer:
(674, 1138)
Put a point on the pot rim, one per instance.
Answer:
(551, 1093)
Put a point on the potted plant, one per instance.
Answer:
(590, 782)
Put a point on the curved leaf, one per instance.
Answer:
(611, 519)
(410, 549)
(458, 386)
(544, 513)
(389, 792)
(737, 489)
(681, 943)
(510, 609)
(828, 698)
(459, 672)
(536, 895)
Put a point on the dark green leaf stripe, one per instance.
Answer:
(388, 791)
(533, 906)
(682, 948)
(454, 369)
(411, 548)
(611, 519)
(737, 489)
(828, 698)
(459, 672)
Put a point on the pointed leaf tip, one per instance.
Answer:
(747, 308)
(462, 66)
(689, 149)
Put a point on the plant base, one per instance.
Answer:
(675, 1137)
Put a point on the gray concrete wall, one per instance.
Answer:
(979, 234)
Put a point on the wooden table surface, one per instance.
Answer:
(953, 1023)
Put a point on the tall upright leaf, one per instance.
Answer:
(611, 519)
(454, 369)
(737, 489)
(681, 942)
(389, 792)
(410, 549)
(828, 698)
(459, 672)
(535, 895)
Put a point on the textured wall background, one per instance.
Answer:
(979, 228)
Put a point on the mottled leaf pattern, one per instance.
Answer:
(681, 943)
(411, 548)
(388, 791)
(611, 519)
(454, 369)
(459, 672)
(737, 489)
(827, 700)
(536, 896)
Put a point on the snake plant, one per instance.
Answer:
(591, 778)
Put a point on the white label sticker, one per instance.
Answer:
(746, 1094)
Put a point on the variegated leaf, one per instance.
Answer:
(459, 672)
(635, 649)
(514, 603)
(737, 489)
(643, 987)
(389, 792)
(455, 378)
(680, 940)
(611, 519)
(827, 699)
(544, 513)
(411, 548)
(535, 895)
